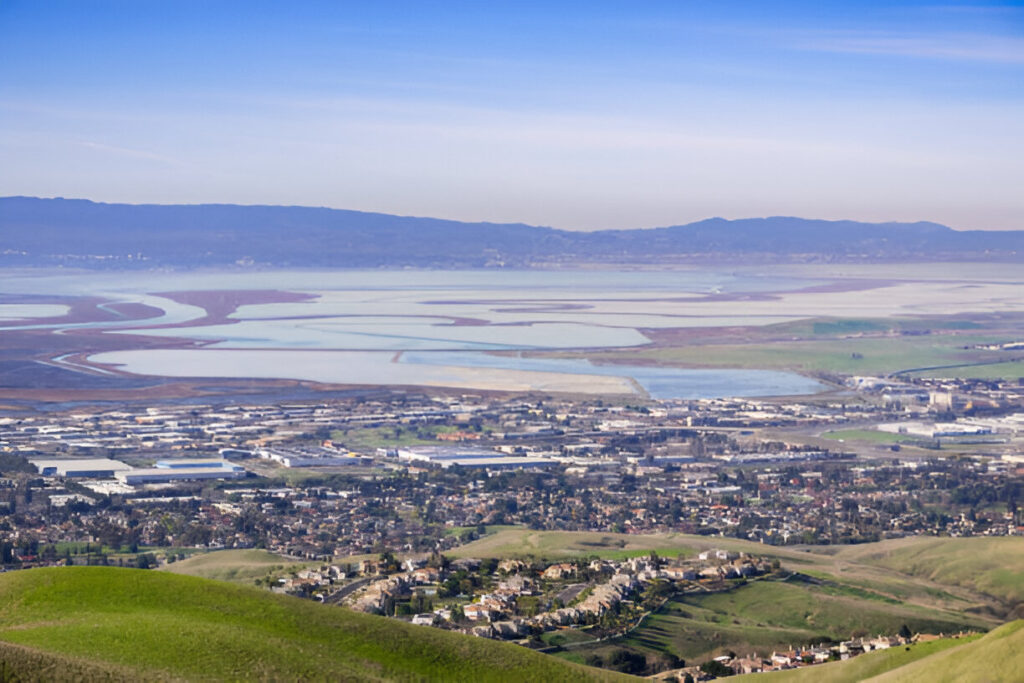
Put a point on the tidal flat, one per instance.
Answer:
(479, 329)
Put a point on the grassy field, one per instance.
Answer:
(519, 542)
(237, 566)
(24, 664)
(766, 615)
(930, 584)
(146, 625)
(826, 346)
(365, 438)
(955, 574)
(849, 356)
(996, 656)
(870, 435)
(510, 541)
(566, 636)
(994, 566)
(999, 370)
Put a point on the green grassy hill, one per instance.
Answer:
(989, 565)
(996, 656)
(237, 566)
(93, 623)
(768, 615)
(930, 584)
(765, 615)
(982, 577)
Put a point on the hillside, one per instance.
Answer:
(978, 580)
(236, 566)
(989, 565)
(43, 232)
(90, 623)
(824, 592)
(996, 656)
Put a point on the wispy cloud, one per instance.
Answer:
(131, 153)
(959, 47)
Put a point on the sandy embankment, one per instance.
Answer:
(349, 368)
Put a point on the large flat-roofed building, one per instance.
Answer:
(163, 475)
(477, 458)
(96, 468)
(440, 454)
(191, 464)
(503, 463)
(318, 457)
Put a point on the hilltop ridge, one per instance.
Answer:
(44, 232)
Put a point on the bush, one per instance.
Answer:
(716, 668)
(627, 661)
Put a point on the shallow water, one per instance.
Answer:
(662, 383)
(443, 321)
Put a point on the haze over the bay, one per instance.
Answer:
(575, 115)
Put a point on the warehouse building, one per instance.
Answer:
(474, 458)
(163, 475)
(96, 468)
(192, 463)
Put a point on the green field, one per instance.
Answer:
(843, 345)
(146, 625)
(998, 370)
(931, 584)
(766, 615)
(237, 566)
(566, 636)
(847, 356)
(996, 656)
(954, 574)
(993, 566)
(366, 438)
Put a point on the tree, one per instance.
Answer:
(716, 668)
(627, 661)
(905, 632)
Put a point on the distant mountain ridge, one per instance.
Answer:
(42, 232)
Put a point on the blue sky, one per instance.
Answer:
(578, 115)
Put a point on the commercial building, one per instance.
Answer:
(312, 458)
(191, 464)
(160, 475)
(96, 468)
(476, 458)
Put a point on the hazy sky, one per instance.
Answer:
(576, 115)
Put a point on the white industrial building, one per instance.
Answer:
(95, 468)
(446, 457)
(936, 430)
(161, 475)
(312, 458)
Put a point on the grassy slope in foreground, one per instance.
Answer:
(154, 625)
(996, 656)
